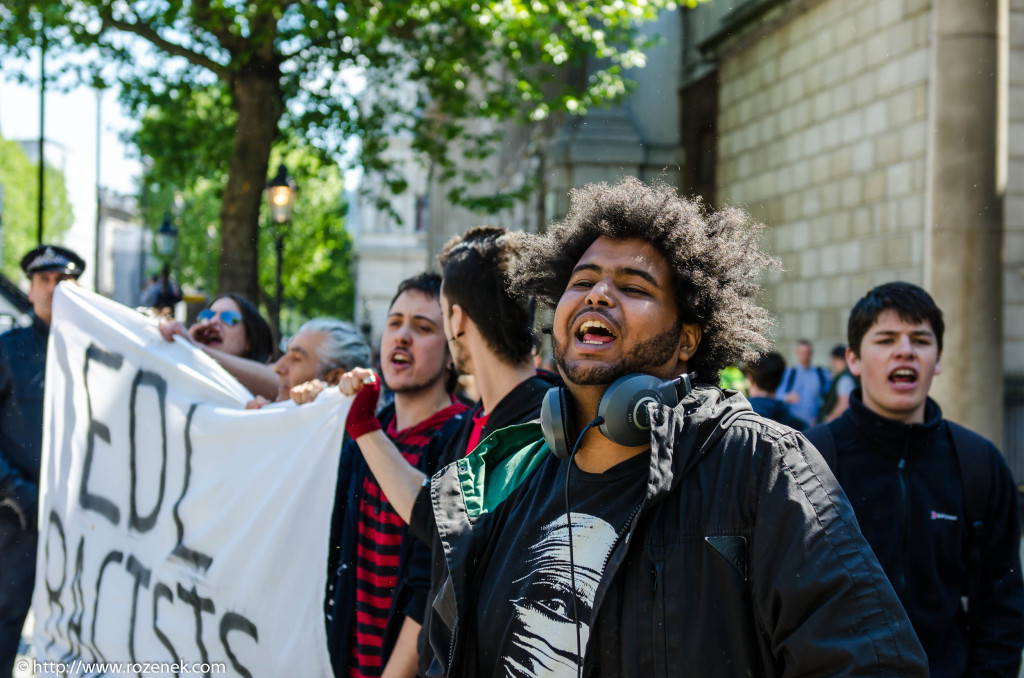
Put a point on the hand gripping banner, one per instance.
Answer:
(174, 525)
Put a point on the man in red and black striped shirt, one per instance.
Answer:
(490, 335)
(379, 576)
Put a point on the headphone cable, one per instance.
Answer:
(572, 562)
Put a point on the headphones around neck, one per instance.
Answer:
(622, 410)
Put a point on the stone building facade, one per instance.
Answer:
(871, 138)
(879, 140)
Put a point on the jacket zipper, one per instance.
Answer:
(904, 519)
(451, 646)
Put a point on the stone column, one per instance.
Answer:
(963, 260)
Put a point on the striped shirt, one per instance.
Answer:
(378, 548)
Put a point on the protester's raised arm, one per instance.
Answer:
(400, 481)
(257, 377)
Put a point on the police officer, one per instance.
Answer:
(22, 367)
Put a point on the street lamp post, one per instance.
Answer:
(281, 192)
(166, 238)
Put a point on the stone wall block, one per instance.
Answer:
(889, 12)
(874, 186)
(897, 178)
(876, 118)
(888, 77)
(887, 147)
(912, 212)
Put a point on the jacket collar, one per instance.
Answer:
(526, 396)
(682, 435)
(888, 435)
(39, 327)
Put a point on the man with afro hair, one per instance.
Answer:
(655, 539)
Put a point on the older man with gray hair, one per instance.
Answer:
(323, 348)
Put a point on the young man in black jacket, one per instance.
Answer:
(490, 336)
(714, 543)
(907, 472)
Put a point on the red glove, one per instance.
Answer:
(362, 415)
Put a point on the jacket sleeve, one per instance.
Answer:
(996, 644)
(825, 603)
(17, 493)
(416, 584)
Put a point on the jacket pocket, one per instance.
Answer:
(699, 621)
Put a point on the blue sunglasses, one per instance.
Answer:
(229, 318)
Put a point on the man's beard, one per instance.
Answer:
(413, 389)
(655, 351)
(459, 356)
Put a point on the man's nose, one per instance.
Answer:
(598, 295)
(402, 336)
(904, 346)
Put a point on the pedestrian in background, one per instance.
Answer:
(804, 385)
(936, 501)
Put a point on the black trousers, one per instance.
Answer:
(17, 573)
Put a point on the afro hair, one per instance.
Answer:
(714, 255)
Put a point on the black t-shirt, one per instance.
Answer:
(524, 616)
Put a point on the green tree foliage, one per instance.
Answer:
(20, 181)
(188, 181)
(290, 66)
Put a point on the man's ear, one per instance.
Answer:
(853, 362)
(938, 363)
(457, 322)
(689, 340)
(333, 377)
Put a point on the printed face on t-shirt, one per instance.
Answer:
(543, 630)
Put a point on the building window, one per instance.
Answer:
(422, 213)
(699, 136)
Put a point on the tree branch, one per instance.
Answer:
(148, 33)
(206, 19)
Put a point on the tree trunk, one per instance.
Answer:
(257, 100)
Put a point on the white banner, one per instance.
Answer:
(178, 532)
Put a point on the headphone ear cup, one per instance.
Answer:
(623, 407)
(554, 421)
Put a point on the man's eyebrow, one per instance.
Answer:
(914, 333)
(297, 349)
(424, 318)
(415, 317)
(621, 270)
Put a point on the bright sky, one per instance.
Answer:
(71, 123)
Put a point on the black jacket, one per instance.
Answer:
(519, 405)
(743, 560)
(904, 483)
(22, 368)
(776, 410)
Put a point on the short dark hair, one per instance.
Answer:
(766, 371)
(474, 276)
(430, 285)
(839, 351)
(714, 256)
(257, 331)
(909, 301)
(427, 283)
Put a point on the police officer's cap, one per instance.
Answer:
(52, 258)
